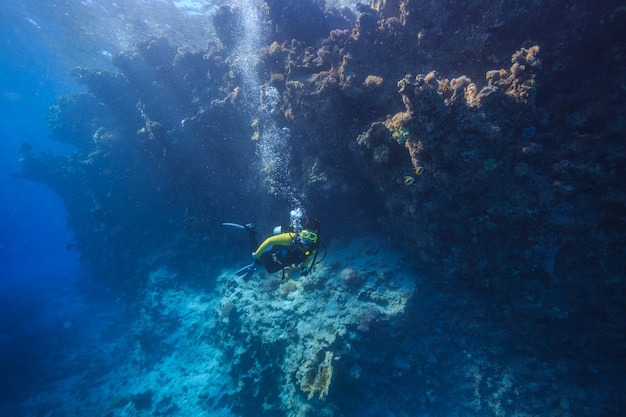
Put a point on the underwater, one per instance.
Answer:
(291, 208)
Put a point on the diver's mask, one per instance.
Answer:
(309, 235)
(307, 240)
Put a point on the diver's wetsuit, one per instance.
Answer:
(282, 250)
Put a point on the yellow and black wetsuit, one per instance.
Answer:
(280, 251)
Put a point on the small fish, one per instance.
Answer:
(408, 180)
(419, 170)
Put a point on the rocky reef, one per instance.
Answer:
(485, 143)
(287, 336)
(261, 346)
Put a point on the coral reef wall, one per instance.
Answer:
(486, 140)
(161, 159)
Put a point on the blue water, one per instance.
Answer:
(34, 234)
(52, 316)
(41, 43)
(34, 237)
(37, 264)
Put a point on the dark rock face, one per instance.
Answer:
(303, 20)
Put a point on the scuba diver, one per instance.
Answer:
(294, 245)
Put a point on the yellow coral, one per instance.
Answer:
(471, 95)
(398, 121)
(321, 383)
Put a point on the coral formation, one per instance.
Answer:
(351, 277)
(318, 381)
(305, 331)
(373, 81)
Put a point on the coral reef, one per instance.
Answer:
(164, 157)
(301, 335)
(334, 82)
(518, 216)
(318, 380)
(444, 122)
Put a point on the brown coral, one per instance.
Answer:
(397, 121)
(373, 81)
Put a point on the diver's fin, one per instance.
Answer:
(249, 227)
(247, 271)
(234, 226)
